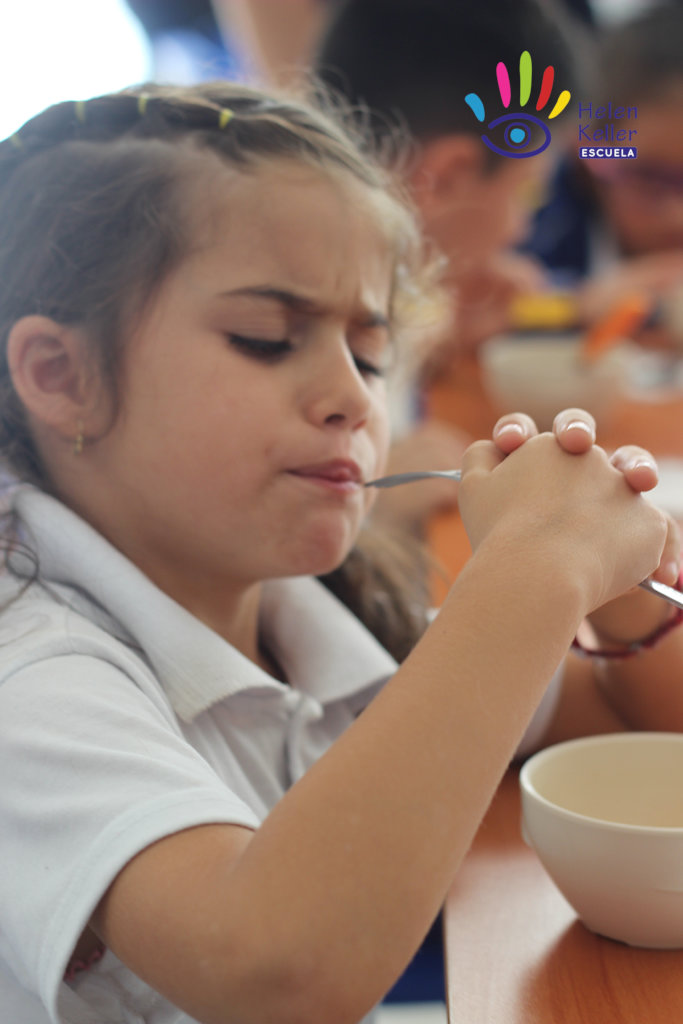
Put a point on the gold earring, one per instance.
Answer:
(79, 439)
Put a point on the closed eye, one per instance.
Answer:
(365, 367)
(260, 348)
(271, 351)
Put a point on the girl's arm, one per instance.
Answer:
(315, 915)
(639, 692)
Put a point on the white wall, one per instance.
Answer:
(53, 50)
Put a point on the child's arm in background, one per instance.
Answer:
(278, 39)
(645, 690)
(483, 298)
(600, 696)
(352, 865)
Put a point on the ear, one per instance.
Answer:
(51, 373)
(445, 171)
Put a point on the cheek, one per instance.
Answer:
(369, 500)
(383, 446)
(379, 426)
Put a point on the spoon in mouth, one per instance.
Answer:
(667, 593)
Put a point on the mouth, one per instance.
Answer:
(342, 475)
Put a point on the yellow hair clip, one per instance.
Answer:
(79, 109)
(142, 103)
(225, 115)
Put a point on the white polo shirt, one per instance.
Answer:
(124, 719)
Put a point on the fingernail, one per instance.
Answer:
(578, 425)
(640, 463)
(670, 572)
(511, 428)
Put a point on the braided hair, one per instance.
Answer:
(94, 216)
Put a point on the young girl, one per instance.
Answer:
(198, 297)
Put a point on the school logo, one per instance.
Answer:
(519, 134)
(602, 127)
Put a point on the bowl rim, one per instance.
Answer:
(610, 739)
(568, 338)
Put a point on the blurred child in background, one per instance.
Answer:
(614, 227)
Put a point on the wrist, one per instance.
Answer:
(549, 563)
(523, 562)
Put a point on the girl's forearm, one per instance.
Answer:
(378, 827)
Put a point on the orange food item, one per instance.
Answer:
(616, 326)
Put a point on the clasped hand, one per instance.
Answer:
(562, 492)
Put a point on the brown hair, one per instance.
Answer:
(92, 220)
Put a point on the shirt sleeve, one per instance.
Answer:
(92, 773)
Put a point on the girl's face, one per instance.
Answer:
(253, 399)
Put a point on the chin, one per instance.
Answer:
(320, 555)
(322, 565)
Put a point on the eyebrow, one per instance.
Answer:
(298, 303)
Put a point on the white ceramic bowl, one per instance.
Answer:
(605, 815)
(541, 375)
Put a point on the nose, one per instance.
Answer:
(336, 391)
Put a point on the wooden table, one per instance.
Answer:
(517, 954)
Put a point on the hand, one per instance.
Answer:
(585, 513)
(483, 296)
(637, 613)
(574, 430)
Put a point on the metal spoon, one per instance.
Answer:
(407, 478)
(669, 594)
(674, 597)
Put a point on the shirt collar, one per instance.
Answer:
(323, 648)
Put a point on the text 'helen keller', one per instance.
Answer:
(600, 125)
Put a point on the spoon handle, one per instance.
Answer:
(669, 594)
(674, 597)
(407, 478)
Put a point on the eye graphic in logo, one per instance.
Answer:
(521, 130)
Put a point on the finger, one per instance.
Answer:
(669, 567)
(638, 466)
(574, 430)
(481, 455)
(513, 430)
